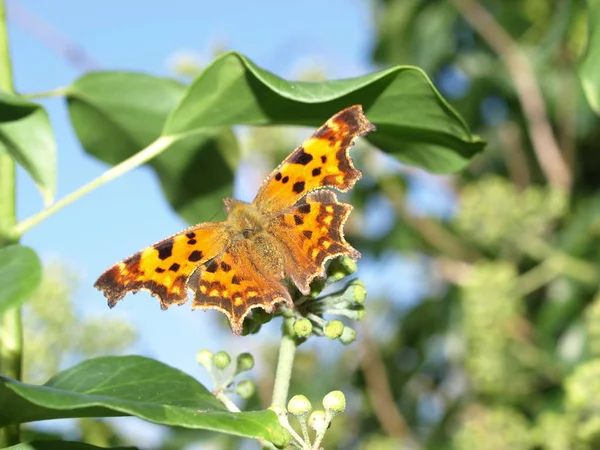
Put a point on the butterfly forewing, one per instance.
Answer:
(321, 161)
(165, 267)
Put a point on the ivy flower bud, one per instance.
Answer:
(245, 389)
(244, 362)
(359, 291)
(302, 327)
(334, 402)
(334, 329)
(222, 360)
(299, 405)
(348, 336)
(205, 359)
(318, 421)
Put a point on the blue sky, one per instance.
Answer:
(108, 224)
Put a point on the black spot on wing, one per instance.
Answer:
(285, 179)
(174, 267)
(307, 234)
(278, 176)
(235, 280)
(298, 187)
(298, 219)
(190, 235)
(159, 270)
(304, 209)
(301, 157)
(225, 267)
(192, 241)
(195, 256)
(316, 172)
(164, 249)
(212, 267)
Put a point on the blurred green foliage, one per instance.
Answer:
(503, 352)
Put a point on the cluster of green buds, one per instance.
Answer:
(346, 302)
(316, 420)
(223, 374)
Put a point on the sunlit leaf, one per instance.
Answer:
(130, 386)
(26, 135)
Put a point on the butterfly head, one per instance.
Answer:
(244, 218)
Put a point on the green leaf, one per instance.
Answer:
(116, 114)
(414, 123)
(130, 386)
(14, 107)
(589, 67)
(61, 445)
(26, 134)
(20, 275)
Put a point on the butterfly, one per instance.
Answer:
(293, 226)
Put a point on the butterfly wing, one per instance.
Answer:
(235, 282)
(312, 232)
(321, 161)
(165, 267)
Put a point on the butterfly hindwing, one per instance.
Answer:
(235, 283)
(312, 232)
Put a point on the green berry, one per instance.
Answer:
(335, 402)
(245, 389)
(334, 329)
(244, 363)
(222, 360)
(318, 421)
(205, 359)
(299, 405)
(302, 327)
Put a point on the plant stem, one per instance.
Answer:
(227, 402)
(285, 364)
(131, 163)
(11, 331)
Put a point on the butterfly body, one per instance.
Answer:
(289, 231)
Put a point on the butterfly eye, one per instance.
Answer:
(247, 233)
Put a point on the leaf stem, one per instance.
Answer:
(11, 329)
(285, 364)
(58, 92)
(136, 160)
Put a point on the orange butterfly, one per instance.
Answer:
(289, 231)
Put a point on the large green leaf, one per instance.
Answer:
(414, 123)
(135, 386)
(20, 275)
(26, 134)
(589, 69)
(116, 114)
(61, 445)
